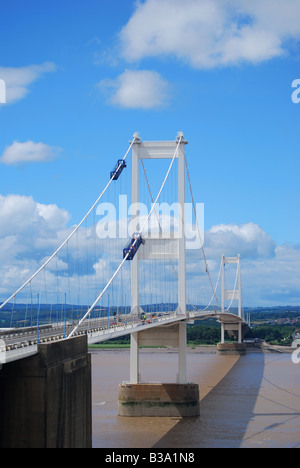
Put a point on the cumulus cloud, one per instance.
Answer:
(210, 33)
(19, 213)
(272, 281)
(18, 80)
(28, 152)
(23, 224)
(136, 89)
(30, 232)
(249, 240)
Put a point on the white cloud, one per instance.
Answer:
(209, 33)
(54, 216)
(30, 232)
(136, 89)
(18, 80)
(249, 240)
(20, 214)
(28, 152)
(273, 281)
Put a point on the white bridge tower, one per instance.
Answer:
(232, 294)
(155, 246)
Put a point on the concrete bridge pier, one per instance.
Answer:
(45, 399)
(234, 328)
(180, 399)
(233, 347)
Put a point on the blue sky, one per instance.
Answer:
(83, 76)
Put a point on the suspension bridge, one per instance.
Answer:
(122, 270)
(51, 304)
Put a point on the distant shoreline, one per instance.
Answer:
(192, 349)
(200, 349)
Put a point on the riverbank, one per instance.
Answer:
(194, 349)
(265, 347)
(203, 349)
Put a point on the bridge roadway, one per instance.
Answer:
(19, 343)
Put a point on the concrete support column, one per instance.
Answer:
(233, 347)
(240, 333)
(222, 332)
(134, 358)
(179, 399)
(182, 374)
(45, 399)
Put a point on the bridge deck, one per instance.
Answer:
(22, 343)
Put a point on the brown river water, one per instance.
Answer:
(251, 401)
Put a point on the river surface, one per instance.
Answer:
(248, 402)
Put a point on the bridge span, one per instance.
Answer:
(20, 343)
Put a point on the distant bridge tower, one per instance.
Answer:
(231, 294)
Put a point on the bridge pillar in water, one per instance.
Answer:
(180, 399)
(234, 328)
(45, 400)
(233, 347)
(166, 335)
